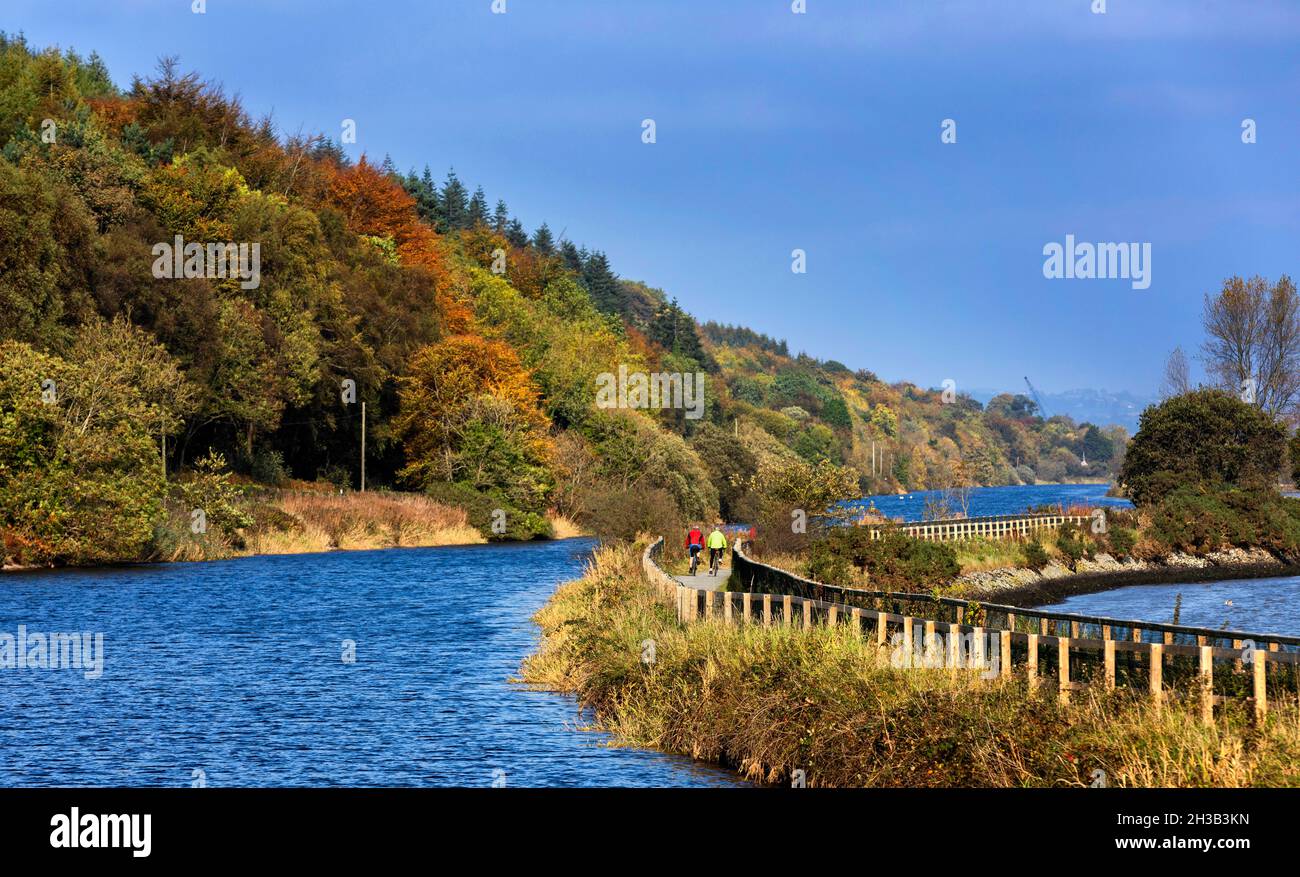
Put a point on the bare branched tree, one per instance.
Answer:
(1253, 342)
(1178, 377)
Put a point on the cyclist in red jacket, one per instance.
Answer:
(694, 544)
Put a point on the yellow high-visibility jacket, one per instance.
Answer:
(717, 540)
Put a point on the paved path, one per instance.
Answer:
(704, 581)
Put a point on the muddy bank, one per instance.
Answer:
(1026, 588)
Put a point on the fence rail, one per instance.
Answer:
(1207, 671)
(993, 527)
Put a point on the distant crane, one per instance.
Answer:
(1042, 409)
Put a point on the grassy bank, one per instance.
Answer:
(771, 701)
(326, 521)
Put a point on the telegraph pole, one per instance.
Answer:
(363, 447)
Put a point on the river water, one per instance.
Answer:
(997, 500)
(1256, 605)
(232, 673)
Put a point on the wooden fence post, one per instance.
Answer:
(907, 638)
(681, 604)
(708, 605)
(1063, 663)
(746, 608)
(1109, 648)
(1006, 653)
(977, 656)
(1157, 671)
(767, 610)
(807, 614)
(1261, 684)
(882, 629)
(726, 607)
(930, 646)
(856, 615)
(833, 616)
(787, 607)
(1032, 662)
(1207, 684)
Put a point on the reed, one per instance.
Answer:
(317, 521)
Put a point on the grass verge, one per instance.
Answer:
(768, 702)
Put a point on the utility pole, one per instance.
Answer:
(363, 447)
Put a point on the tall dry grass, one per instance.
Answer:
(771, 701)
(315, 521)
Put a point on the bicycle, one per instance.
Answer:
(695, 561)
(715, 560)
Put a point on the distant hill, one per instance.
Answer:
(1102, 407)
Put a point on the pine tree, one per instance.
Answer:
(500, 218)
(674, 330)
(455, 209)
(601, 284)
(426, 197)
(515, 233)
(542, 240)
(478, 209)
(572, 258)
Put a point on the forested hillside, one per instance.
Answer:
(475, 345)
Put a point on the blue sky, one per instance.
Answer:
(818, 131)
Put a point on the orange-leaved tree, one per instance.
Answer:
(470, 415)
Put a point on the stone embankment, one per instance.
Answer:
(1027, 587)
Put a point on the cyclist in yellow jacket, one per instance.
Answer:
(717, 544)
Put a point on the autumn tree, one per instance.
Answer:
(469, 414)
(1252, 346)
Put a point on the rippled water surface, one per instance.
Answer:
(998, 500)
(234, 669)
(1253, 605)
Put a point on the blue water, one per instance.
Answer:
(235, 669)
(1255, 605)
(997, 500)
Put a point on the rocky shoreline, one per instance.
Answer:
(1029, 588)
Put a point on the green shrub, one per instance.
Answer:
(1070, 543)
(1122, 540)
(1203, 438)
(827, 565)
(208, 488)
(490, 513)
(1035, 556)
(268, 468)
(1199, 519)
(613, 513)
(894, 561)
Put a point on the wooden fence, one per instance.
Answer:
(995, 527)
(1254, 667)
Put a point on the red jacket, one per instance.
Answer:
(695, 537)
